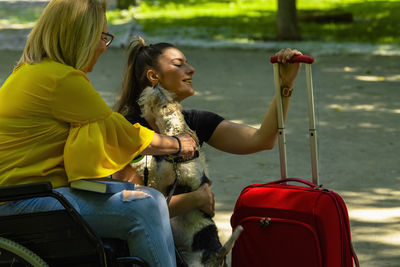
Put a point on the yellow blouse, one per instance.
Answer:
(55, 127)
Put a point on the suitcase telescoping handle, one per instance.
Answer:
(311, 115)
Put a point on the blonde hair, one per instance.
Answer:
(141, 57)
(68, 31)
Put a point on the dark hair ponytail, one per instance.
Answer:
(141, 57)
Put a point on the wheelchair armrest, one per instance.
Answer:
(24, 191)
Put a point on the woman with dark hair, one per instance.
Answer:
(164, 64)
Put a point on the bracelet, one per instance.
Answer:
(179, 143)
(286, 91)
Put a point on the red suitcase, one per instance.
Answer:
(301, 224)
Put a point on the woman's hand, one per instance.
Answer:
(187, 146)
(288, 71)
(206, 199)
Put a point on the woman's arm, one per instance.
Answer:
(238, 138)
(202, 199)
(243, 139)
(165, 145)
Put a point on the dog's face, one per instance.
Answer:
(152, 100)
(159, 104)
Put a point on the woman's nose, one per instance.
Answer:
(191, 70)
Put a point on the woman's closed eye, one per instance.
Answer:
(177, 62)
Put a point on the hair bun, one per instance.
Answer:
(137, 41)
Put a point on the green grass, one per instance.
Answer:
(245, 20)
(26, 16)
(16, 15)
(374, 21)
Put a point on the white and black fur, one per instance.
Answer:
(195, 233)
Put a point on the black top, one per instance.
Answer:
(200, 121)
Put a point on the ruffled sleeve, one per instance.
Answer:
(100, 142)
(101, 148)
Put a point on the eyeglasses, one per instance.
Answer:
(107, 38)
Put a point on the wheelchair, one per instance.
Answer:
(55, 238)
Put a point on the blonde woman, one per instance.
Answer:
(55, 127)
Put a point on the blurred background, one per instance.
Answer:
(265, 20)
(240, 21)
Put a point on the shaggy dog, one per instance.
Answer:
(195, 233)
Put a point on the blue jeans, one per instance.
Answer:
(143, 221)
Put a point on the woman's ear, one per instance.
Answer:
(152, 76)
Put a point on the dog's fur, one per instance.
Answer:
(195, 233)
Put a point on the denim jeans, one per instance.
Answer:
(143, 221)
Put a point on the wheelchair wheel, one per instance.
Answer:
(14, 254)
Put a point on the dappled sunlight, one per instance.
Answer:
(369, 125)
(222, 220)
(213, 98)
(369, 78)
(374, 229)
(257, 125)
(345, 96)
(371, 198)
(117, 17)
(376, 215)
(375, 108)
(202, 93)
(352, 108)
(350, 69)
(385, 235)
(393, 78)
(373, 78)
(5, 24)
(375, 223)
(337, 69)
(201, 9)
(365, 107)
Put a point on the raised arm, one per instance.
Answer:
(243, 139)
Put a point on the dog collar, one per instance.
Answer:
(176, 159)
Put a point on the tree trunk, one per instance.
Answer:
(124, 4)
(287, 21)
